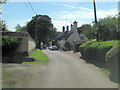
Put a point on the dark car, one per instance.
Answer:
(44, 46)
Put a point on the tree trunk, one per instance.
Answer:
(39, 45)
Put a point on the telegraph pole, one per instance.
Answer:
(95, 17)
(36, 29)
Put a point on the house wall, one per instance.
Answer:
(61, 43)
(70, 39)
(24, 44)
(31, 45)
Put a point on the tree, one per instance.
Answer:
(43, 25)
(3, 1)
(53, 34)
(20, 28)
(88, 31)
(106, 29)
(3, 25)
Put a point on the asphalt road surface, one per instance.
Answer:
(66, 70)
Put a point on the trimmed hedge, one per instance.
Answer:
(94, 51)
(112, 57)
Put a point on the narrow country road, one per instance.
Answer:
(65, 70)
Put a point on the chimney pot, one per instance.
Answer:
(63, 28)
(67, 28)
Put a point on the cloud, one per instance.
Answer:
(65, 5)
(85, 16)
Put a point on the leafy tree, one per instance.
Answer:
(3, 25)
(107, 29)
(43, 25)
(88, 31)
(20, 28)
(3, 1)
(53, 34)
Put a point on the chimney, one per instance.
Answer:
(63, 28)
(75, 27)
(71, 27)
(75, 24)
(67, 28)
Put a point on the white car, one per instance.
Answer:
(53, 48)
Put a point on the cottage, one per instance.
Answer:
(67, 40)
(27, 45)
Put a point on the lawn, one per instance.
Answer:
(39, 56)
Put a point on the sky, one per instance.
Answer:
(61, 13)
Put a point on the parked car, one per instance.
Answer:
(50, 46)
(53, 48)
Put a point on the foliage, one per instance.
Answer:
(20, 28)
(3, 25)
(112, 57)
(39, 56)
(9, 44)
(3, 1)
(88, 31)
(107, 29)
(83, 46)
(44, 26)
(96, 51)
(52, 34)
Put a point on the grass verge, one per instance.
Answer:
(39, 56)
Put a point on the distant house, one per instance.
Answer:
(67, 40)
(27, 45)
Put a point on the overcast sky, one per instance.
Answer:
(61, 13)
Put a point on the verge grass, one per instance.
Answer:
(39, 56)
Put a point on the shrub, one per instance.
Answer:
(95, 52)
(82, 47)
(112, 57)
(9, 44)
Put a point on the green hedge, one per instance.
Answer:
(112, 57)
(94, 51)
(9, 44)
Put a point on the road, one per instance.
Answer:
(66, 70)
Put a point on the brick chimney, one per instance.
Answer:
(63, 28)
(67, 28)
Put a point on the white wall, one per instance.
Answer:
(31, 45)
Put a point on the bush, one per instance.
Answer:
(82, 47)
(95, 52)
(9, 44)
(112, 57)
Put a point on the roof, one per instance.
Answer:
(15, 33)
(65, 35)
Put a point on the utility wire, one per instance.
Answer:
(31, 6)
(28, 8)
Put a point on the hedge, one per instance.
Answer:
(112, 57)
(94, 51)
(9, 44)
